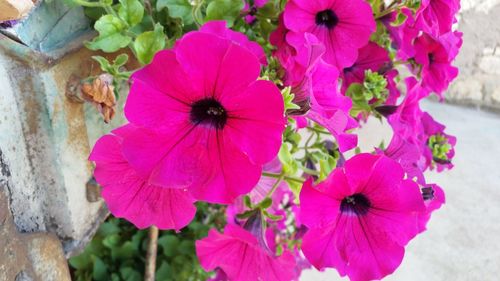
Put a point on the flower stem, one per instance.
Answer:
(275, 185)
(149, 274)
(90, 4)
(277, 176)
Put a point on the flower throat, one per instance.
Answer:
(208, 112)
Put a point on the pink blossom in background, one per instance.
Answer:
(408, 155)
(250, 8)
(361, 217)
(205, 122)
(343, 26)
(240, 256)
(431, 127)
(371, 57)
(435, 57)
(314, 83)
(128, 195)
(284, 51)
(436, 17)
(402, 35)
(405, 122)
(434, 198)
(219, 28)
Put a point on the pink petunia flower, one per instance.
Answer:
(128, 195)
(219, 28)
(343, 26)
(434, 198)
(206, 123)
(436, 17)
(242, 257)
(371, 57)
(361, 217)
(435, 57)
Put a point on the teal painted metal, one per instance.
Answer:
(51, 26)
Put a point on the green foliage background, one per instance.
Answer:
(118, 251)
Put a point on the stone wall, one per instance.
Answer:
(479, 61)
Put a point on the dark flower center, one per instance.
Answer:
(210, 112)
(327, 18)
(432, 57)
(428, 193)
(357, 204)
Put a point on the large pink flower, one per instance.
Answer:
(242, 258)
(128, 195)
(436, 17)
(206, 123)
(361, 217)
(436, 57)
(343, 26)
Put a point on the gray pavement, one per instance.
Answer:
(462, 242)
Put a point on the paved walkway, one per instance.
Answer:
(462, 242)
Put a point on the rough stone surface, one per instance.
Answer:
(46, 139)
(14, 9)
(479, 60)
(27, 257)
(461, 242)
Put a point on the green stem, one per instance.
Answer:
(318, 130)
(277, 176)
(388, 11)
(275, 185)
(90, 4)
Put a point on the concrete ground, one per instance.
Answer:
(462, 242)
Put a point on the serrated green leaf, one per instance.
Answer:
(131, 11)
(177, 9)
(110, 38)
(149, 43)
(227, 10)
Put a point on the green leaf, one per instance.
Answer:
(120, 60)
(164, 272)
(81, 261)
(177, 9)
(288, 99)
(227, 10)
(169, 244)
(131, 11)
(149, 43)
(99, 272)
(400, 19)
(107, 228)
(266, 203)
(110, 38)
(290, 165)
(130, 274)
(272, 217)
